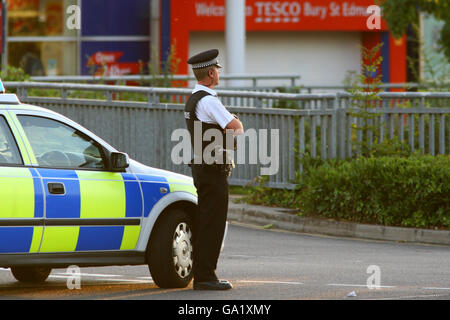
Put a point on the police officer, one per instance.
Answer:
(203, 112)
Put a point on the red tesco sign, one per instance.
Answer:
(289, 15)
(317, 15)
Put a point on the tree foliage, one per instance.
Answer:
(400, 13)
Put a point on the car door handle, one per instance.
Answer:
(56, 188)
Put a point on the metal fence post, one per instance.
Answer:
(442, 134)
(431, 140)
(302, 141)
(411, 132)
(63, 94)
(109, 96)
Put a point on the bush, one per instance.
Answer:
(14, 74)
(393, 191)
(262, 195)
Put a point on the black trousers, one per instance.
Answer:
(210, 219)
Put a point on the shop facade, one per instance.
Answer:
(319, 40)
(42, 36)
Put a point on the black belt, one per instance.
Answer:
(223, 168)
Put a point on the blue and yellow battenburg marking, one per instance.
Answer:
(21, 198)
(88, 194)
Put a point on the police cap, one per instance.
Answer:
(205, 59)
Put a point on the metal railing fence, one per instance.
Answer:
(229, 97)
(322, 128)
(252, 81)
(384, 86)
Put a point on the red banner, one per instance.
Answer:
(289, 15)
(119, 69)
(108, 65)
(102, 57)
(317, 15)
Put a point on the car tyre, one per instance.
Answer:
(31, 274)
(170, 250)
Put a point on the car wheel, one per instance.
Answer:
(31, 274)
(170, 251)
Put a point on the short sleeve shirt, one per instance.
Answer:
(210, 109)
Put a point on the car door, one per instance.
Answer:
(21, 194)
(87, 207)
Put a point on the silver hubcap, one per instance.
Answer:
(182, 250)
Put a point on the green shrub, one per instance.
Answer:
(258, 193)
(14, 74)
(393, 191)
(11, 73)
(410, 192)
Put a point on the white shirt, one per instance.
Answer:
(210, 109)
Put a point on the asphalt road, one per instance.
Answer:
(273, 265)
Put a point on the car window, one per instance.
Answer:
(9, 153)
(56, 144)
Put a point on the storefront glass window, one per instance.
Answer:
(38, 38)
(44, 58)
(39, 18)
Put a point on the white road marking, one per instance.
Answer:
(435, 288)
(55, 276)
(413, 297)
(270, 282)
(128, 280)
(145, 278)
(67, 276)
(117, 278)
(262, 257)
(90, 274)
(354, 285)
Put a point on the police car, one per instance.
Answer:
(68, 198)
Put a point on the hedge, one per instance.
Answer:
(392, 191)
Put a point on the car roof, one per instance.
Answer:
(10, 101)
(23, 106)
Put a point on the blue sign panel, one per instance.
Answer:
(115, 18)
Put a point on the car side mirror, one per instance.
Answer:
(119, 161)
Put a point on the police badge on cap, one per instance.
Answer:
(205, 59)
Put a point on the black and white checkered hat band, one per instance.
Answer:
(206, 64)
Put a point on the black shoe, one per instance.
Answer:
(212, 285)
